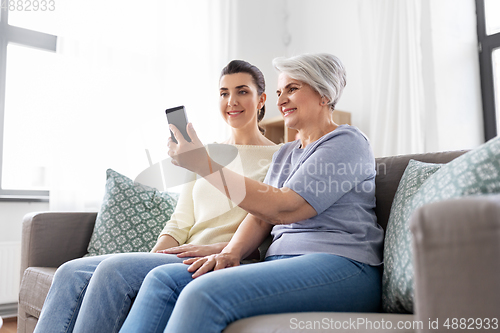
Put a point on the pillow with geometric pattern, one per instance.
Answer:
(397, 279)
(131, 217)
(473, 173)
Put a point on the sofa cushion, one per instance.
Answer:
(326, 322)
(34, 288)
(476, 172)
(131, 217)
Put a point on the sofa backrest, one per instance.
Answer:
(389, 173)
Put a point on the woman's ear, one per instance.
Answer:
(262, 100)
(324, 100)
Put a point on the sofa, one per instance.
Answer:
(448, 238)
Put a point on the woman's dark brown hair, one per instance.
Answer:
(241, 66)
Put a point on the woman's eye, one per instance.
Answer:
(292, 89)
(223, 94)
(243, 92)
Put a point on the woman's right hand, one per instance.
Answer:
(189, 155)
(213, 262)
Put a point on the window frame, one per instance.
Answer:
(28, 38)
(486, 45)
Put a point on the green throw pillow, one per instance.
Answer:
(131, 217)
(476, 172)
(397, 280)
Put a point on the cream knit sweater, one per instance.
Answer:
(203, 215)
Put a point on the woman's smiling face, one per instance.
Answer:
(297, 101)
(239, 100)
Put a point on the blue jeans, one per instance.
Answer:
(171, 301)
(95, 294)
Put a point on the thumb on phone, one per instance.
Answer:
(177, 134)
(192, 133)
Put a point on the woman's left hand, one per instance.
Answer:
(214, 262)
(191, 250)
(189, 155)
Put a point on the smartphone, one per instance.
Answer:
(177, 116)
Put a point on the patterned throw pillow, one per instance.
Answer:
(476, 172)
(131, 217)
(397, 280)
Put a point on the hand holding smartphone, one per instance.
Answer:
(177, 117)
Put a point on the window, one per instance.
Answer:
(488, 31)
(24, 54)
(99, 101)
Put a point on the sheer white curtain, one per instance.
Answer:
(394, 86)
(120, 65)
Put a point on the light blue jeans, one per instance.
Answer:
(171, 301)
(95, 294)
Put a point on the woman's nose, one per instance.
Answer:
(232, 101)
(281, 100)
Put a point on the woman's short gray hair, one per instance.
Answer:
(324, 72)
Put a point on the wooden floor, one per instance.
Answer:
(9, 325)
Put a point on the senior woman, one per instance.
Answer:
(317, 201)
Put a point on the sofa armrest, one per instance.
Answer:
(456, 248)
(49, 239)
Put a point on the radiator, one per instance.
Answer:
(10, 265)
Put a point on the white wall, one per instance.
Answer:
(268, 29)
(257, 38)
(456, 66)
(449, 47)
(332, 26)
(11, 218)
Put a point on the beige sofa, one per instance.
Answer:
(456, 258)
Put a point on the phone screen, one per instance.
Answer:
(177, 116)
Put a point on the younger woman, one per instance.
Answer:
(95, 294)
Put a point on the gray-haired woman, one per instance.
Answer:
(317, 201)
